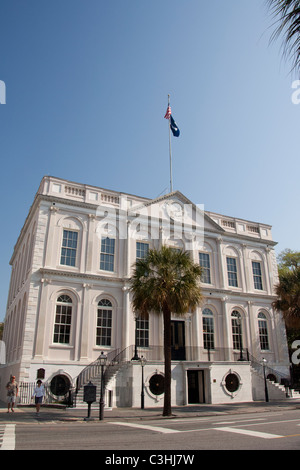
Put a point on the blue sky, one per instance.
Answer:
(86, 92)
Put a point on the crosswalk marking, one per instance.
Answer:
(8, 437)
(247, 432)
(236, 430)
(150, 428)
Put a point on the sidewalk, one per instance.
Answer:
(26, 414)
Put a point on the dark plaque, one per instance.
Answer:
(89, 393)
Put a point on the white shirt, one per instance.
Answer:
(39, 391)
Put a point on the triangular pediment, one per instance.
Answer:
(177, 208)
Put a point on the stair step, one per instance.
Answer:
(110, 372)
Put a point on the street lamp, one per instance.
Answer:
(102, 360)
(143, 362)
(136, 356)
(264, 361)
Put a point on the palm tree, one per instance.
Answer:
(288, 292)
(287, 13)
(167, 281)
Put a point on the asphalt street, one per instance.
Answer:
(250, 426)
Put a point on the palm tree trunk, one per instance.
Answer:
(167, 351)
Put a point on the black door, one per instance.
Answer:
(193, 386)
(177, 341)
(196, 386)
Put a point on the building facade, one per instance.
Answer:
(69, 297)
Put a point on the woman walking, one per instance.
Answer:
(38, 393)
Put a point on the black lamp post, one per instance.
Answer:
(102, 360)
(143, 362)
(136, 356)
(265, 379)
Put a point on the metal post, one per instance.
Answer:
(265, 380)
(136, 356)
(101, 409)
(142, 390)
(208, 350)
(102, 360)
(170, 151)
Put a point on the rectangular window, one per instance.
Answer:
(263, 335)
(142, 250)
(204, 262)
(142, 332)
(208, 333)
(236, 334)
(232, 272)
(257, 277)
(62, 326)
(107, 255)
(104, 324)
(69, 248)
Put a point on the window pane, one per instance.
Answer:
(63, 319)
(204, 262)
(107, 254)
(104, 324)
(236, 330)
(208, 333)
(69, 248)
(142, 250)
(232, 272)
(142, 332)
(257, 277)
(263, 333)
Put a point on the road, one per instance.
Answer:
(278, 430)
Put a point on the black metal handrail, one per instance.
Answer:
(269, 371)
(116, 358)
(93, 370)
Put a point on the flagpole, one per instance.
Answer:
(170, 151)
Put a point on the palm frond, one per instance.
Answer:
(288, 292)
(167, 277)
(287, 14)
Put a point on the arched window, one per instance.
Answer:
(63, 319)
(236, 323)
(263, 332)
(104, 323)
(208, 329)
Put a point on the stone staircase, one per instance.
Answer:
(276, 390)
(117, 360)
(92, 374)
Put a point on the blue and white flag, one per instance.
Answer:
(174, 128)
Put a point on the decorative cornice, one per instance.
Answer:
(211, 291)
(80, 276)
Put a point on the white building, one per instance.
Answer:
(69, 299)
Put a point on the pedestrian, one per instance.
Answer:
(12, 393)
(38, 393)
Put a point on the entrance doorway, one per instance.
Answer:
(178, 340)
(196, 392)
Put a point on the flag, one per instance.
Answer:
(168, 113)
(174, 127)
